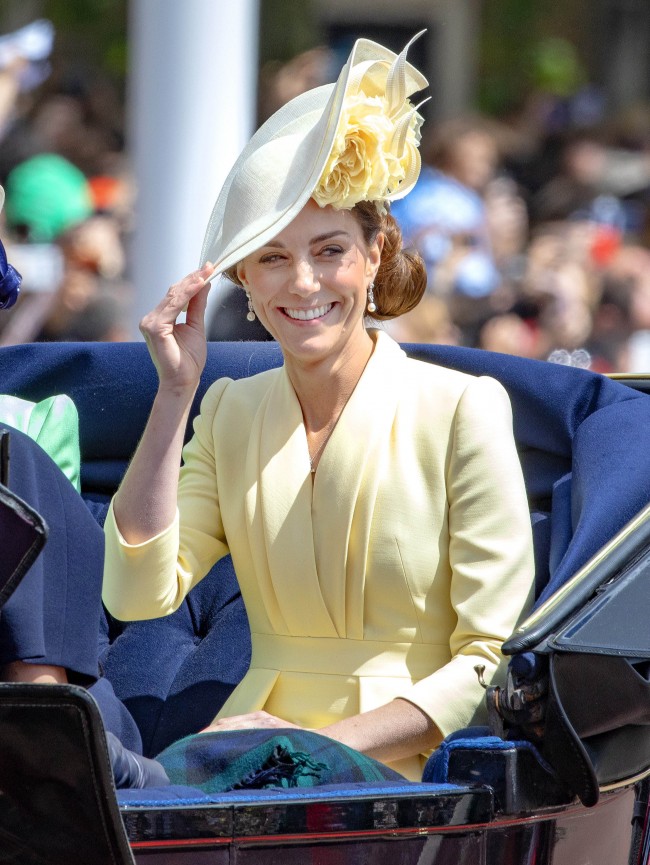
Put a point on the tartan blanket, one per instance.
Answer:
(255, 759)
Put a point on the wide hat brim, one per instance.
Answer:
(279, 169)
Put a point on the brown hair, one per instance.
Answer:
(231, 273)
(401, 279)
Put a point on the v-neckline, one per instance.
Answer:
(303, 525)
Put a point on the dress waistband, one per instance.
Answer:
(343, 657)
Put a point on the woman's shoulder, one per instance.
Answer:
(422, 377)
(237, 394)
(440, 385)
(427, 373)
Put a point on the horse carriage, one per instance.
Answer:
(560, 776)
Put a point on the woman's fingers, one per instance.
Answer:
(252, 720)
(178, 349)
(195, 316)
(177, 298)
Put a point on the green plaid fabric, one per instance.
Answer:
(218, 762)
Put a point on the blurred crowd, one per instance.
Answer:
(535, 227)
(69, 198)
(536, 240)
(535, 245)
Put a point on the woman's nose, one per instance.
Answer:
(304, 278)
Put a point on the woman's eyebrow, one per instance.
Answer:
(318, 239)
(321, 237)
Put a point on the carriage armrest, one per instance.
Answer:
(57, 798)
(625, 548)
(586, 692)
(518, 775)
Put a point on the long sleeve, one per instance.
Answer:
(148, 580)
(490, 553)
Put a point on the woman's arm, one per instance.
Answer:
(390, 732)
(150, 579)
(145, 504)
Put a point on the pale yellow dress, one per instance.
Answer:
(406, 561)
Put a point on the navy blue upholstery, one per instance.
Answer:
(580, 437)
(177, 795)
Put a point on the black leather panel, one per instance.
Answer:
(615, 621)
(57, 800)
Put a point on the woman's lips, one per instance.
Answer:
(308, 314)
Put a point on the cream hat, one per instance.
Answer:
(355, 140)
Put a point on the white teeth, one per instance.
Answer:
(308, 314)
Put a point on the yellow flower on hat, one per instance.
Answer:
(375, 151)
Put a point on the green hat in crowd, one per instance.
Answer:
(47, 194)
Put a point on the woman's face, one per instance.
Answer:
(309, 283)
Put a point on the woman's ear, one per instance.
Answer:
(374, 255)
(241, 272)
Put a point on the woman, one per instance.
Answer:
(373, 505)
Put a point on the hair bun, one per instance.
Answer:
(401, 279)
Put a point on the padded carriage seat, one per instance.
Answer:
(581, 437)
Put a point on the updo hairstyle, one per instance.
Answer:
(401, 279)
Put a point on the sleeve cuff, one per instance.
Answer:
(453, 697)
(140, 580)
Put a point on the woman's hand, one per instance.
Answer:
(145, 504)
(179, 351)
(252, 720)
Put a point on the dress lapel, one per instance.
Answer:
(283, 520)
(346, 485)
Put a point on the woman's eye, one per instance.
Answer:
(329, 251)
(271, 258)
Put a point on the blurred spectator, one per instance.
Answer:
(469, 223)
(623, 317)
(445, 216)
(594, 178)
(464, 148)
(508, 333)
(280, 82)
(430, 321)
(507, 224)
(71, 257)
(567, 258)
(23, 65)
(46, 195)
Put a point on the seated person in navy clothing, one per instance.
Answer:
(46, 632)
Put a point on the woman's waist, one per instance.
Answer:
(346, 657)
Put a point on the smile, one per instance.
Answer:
(308, 314)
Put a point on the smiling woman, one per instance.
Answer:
(309, 285)
(373, 505)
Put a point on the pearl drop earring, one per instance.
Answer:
(250, 315)
(372, 306)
